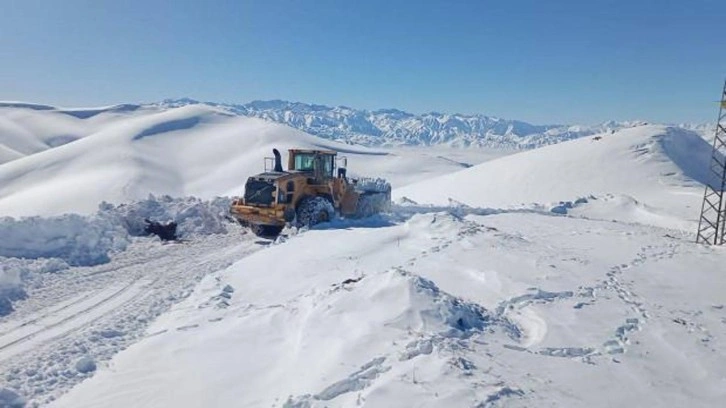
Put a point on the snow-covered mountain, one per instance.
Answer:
(393, 127)
(28, 128)
(560, 276)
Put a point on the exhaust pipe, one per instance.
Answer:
(278, 161)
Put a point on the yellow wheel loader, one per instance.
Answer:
(315, 188)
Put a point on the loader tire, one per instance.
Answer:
(313, 211)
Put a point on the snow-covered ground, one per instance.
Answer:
(561, 276)
(520, 309)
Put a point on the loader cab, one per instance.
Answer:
(320, 163)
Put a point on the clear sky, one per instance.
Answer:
(570, 61)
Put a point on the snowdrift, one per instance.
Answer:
(656, 170)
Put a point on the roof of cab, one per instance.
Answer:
(312, 151)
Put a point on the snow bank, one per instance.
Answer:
(89, 240)
(192, 215)
(78, 240)
(33, 245)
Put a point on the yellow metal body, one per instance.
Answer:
(292, 186)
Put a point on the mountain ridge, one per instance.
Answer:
(395, 127)
(385, 127)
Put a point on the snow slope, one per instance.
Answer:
(652, 173)
(27, 128)
(193, 150)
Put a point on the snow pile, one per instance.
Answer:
(192, 215)
(85, 365)
(372, 184)
(38, 245)
(453, 317)
(89, 240)
(10, 290)
(76, 239)
(563, 207)
(41, 245)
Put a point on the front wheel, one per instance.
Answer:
(314, 210)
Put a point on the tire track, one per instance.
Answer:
(116, 267)
(98, 311)
(46, 312)
(7, 349)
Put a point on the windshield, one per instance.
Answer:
(307, 162)
(304, 162)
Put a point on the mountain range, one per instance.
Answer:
(393, 127)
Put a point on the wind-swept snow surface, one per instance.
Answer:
(652, 172)
(509, 309)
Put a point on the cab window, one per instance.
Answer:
(328, 165)
(304, 162)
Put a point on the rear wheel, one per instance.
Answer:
(313, 211)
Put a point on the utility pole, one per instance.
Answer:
(712, 223)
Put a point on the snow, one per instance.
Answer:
(10, 399)
(30, 128)
(97, 311)
(86, 365)
(561, 276)
(441, 311)
(392, 127)
(654, 170)
(40, 245)
(125, 155)
(73, 238)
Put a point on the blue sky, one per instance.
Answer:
(541, 61)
